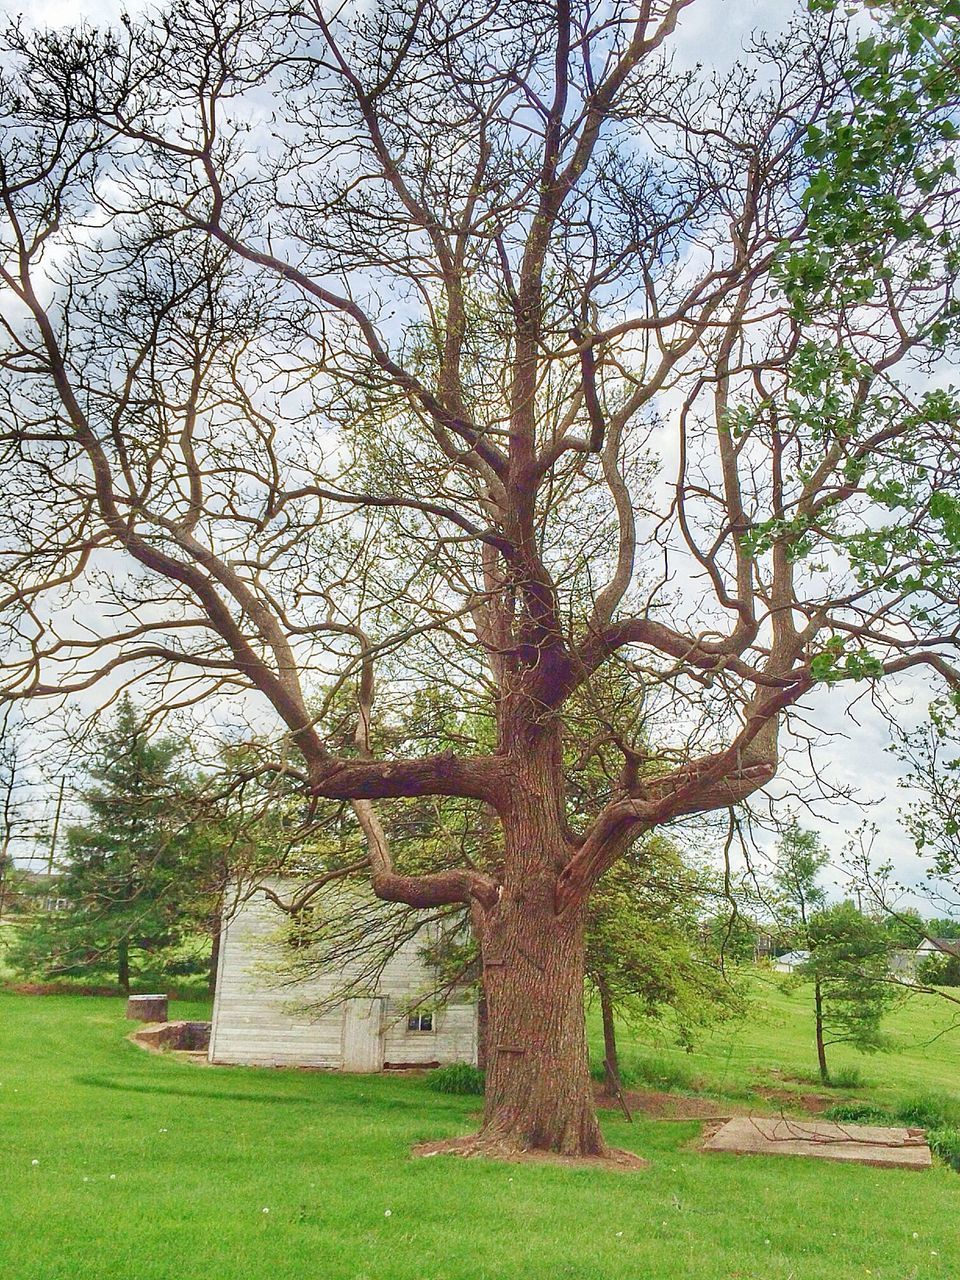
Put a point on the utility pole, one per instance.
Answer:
(56, 826)
(9, 808)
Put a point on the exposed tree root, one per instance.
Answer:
(477, 1147)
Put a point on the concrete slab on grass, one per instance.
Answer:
(825, 1140)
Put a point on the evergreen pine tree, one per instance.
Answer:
(132, 869)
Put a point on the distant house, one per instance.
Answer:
(261, 1018)
(904, 963)
(790, 961)
(32, 890)
(938, 961)
(935, 946)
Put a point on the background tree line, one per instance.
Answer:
(144, 885)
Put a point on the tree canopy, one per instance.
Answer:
(340, 350)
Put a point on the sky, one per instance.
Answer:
(55, 13)
(709, 31)
(712, 32)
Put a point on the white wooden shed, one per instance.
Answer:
(260, 1018)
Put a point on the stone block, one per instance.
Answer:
(891, 1148)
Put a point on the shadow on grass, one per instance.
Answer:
(414, 1102)
(181, 1091)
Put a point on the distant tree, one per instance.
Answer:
(734, 934)
(940, 971)
(8, 786)
(905, 929)
(848, 961)
(848, 965)
(935, 973)
(15, 818)
(132, 872)
(800, 857)
(943, 927)
(931, 755)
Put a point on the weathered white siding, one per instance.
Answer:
(260, 1021)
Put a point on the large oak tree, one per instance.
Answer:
(338, 343)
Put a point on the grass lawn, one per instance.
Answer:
(149, 1168)
(774, 1046)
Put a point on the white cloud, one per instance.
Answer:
(65, 13)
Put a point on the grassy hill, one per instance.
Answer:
(773, 1047)
(121, 1165)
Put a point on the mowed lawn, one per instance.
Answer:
(115, 1163)
(773, 1045)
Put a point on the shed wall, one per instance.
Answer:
(259, 1021)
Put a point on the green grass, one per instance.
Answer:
(773, 1047)
(458, 1077)
(198, 1153)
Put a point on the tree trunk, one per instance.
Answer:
(821, 1047)
(538, 1091)
(483, 1028)
(214, 955)
(611, 1061)
(123, 965)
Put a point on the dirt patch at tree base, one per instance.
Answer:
(813, 1103)
(675, 1106)
(474, 1148)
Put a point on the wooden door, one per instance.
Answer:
(363, 1035)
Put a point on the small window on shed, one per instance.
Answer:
(420, 1022)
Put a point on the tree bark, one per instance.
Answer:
(611, 1062)
(538, 1090)
(214, 954)
(483, 1028)
(123, 965)
(821, 1047)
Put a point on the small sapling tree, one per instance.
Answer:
(647, 956)
(849, 967)
(848, 952)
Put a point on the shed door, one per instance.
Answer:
(363, 1035)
